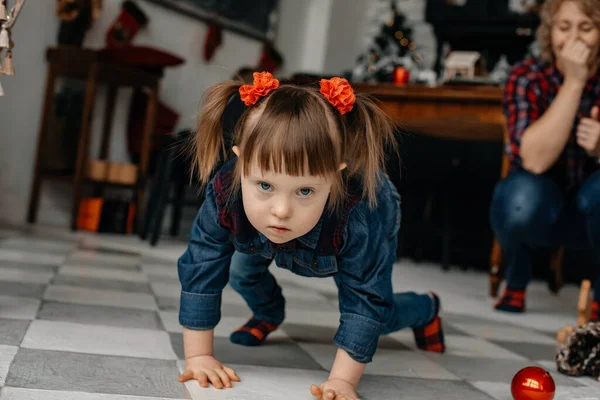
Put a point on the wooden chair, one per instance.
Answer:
(555, 283)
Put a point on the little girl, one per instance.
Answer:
(306, 188)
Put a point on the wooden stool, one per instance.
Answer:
(584, 312)
(87, 65)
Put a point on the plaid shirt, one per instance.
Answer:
(530, 89)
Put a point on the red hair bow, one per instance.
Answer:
(264, 82)
(339, 93)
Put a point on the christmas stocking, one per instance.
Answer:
(270, 59)
(212, 42)
(128, 23)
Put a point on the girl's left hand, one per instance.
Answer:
(588, 133)
(334, 389)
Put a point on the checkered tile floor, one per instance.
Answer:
(94, 317)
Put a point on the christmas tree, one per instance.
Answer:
(392, 47)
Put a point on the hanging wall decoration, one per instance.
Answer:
(7, 20)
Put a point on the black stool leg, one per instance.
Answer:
(163, 197)
(155, 189)
(178, 203)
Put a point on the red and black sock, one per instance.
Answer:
(253, 333)
(512, 300)
(431, 336)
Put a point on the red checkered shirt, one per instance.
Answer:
(530, 89)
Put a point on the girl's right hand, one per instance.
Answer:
(207, 368)
(573, 61)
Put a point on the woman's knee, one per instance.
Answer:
(524, 201)
(588, 196)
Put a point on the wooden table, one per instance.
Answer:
(88, 65)
(469, 113)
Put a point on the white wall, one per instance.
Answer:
(347, 31)
(181, 88)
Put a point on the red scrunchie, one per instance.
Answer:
(339, 93)
(264, 82)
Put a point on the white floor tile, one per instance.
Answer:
(10, 393)
(31, 257)
(70, 294)
(103, 273)
(7, 353)
(18, 307)
(170, 320)
(501, 391)
(25, 276)
(588, 381)
(97, 339)
(261, 383)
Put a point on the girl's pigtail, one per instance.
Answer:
(209, 144)
(370, 134)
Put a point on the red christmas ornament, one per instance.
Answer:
(401, 76)
(532, 383)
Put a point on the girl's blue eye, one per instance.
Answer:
(264, 186)
(305, 192)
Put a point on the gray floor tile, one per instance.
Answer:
(22, 289)
(469, 368)
(11, 393)
(29, 266)
(99, 315)
(235, 310)
(167, 303)
(106, 250)
(93, 283)
(532, 351)
(400, 388)
(14, 307)
(12, 331)
(278, 352)
(152, 277)
(102, 264)
(54, 370)
(325, 335)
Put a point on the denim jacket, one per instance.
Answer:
(357, 247)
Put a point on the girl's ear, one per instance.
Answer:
(343, 166)
(236, 150)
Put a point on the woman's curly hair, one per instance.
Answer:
(550, 7)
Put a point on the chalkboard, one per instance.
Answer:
(253, 18)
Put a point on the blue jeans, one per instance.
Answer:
(531, 211)
(249, 276)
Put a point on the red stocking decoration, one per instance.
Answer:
(270, 59)
(212, 42)
(128, 23)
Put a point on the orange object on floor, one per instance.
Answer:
(90, 211)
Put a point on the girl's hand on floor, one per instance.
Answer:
(206, 369)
